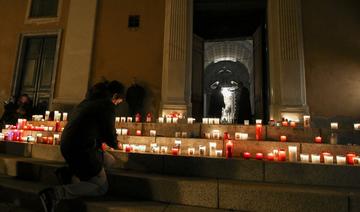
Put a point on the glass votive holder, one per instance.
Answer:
(190, 120)
(328, 159)
(153, 133)
(356, 126)
(334, 125)
(216, 121)
(315, 158)
(205, 120)
(340, 159)
(122, 119)
(117, 119)
(168, 119)
(175, 120)
(211, 120)
(177, 134)
(161, 120)
(292, 153)
(246, 122)
(163, 149)
(191, 151)
(202, 150)
(304, 158)
(129, 119)
(184, 134)
(124, 131)
(218, 153)
(212, 149)
(207, 135)
(216, 134)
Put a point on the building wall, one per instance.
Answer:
(123, 54)
(332, 57)
(12, 24)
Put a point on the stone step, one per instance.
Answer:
(20, 195)
(222, 193)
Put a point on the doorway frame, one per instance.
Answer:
(15, 85)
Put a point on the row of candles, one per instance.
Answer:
(22, 125)
(17, 135)
(58, 116)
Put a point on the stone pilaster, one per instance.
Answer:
(176, 73)
(286, 60)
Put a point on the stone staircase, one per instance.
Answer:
(147, 182)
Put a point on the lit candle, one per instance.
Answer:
(142, 148)
(175, 151)
(184, 134)
(153, 133)
(138, 118)
(216, 121)
(190, 120)
(293, 124)
(340, 159)
(128, 148)
(283, 138)
(56, 115)
(57, 126)
(226, 136)
(306, 121)
(333, 138)
(244, 136)
(168, 119)
(177, 134)
(56, 139)
(178, 145)
(129, 119)
(357, 126)
(322, 155)
(258, 132)
(191, 151)
(124, 131)
(207, 135)
(51, 140)
(148, 118)
(38, 137)
(304, 158)
(45, 140)
(334, 125)
(202, 150)
(163, 149)
(292, 153)
(259, 156)
(246, 155)
(211, 121)
(218, 153)
(318, 139)
(350, 158)
(123, 119)
(276, 154)
(51, 128)
(212, 148)
(138, 132)
(47, 115)
(285, 123)
(282, 155)
(117, 119)
(246, 122)
(315, 158)
(328, 159)
(229, 149)
(216, 134)
(64, 116)
(205, 120)
(161, 119)
(270, 156)
(2, 136)
(175, 120)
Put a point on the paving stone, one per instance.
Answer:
(313, 174)
(47, 152)
(294, 134)
(258, 197)
(16, 148)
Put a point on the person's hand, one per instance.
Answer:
(119, 145)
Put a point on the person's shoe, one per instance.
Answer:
(63, 175)
(48, 199)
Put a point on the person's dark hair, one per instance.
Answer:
(106, 89)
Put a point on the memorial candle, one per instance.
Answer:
(163, 149)
(259, 156)
(168, 119)
(51, 141)
(285, 123)
(293, 124)
(322, 155)
(315, 158)
(148, 118)
(350, 158)
(175, 120)
(191, 151)
(246, 122)
(129, 119)
(357, 126)
(202, 150)
(122, 119)
(306, 121)
(218, 153)
(57, 126)
(38, 138)
(161, 120)
(64, 116)
(212, 148)
(340, 159)
(283, 138)
(56, 139)
(270, 156)
(153, 133)
(184, 134)
(244, 136)
(292, 153)
(247, 155)
(304, 158)
(216, 134)
(229, 149)
(128, 148)
(258, 132)
(117, 119)
(318, 139)
(47, 115)
(190, 120)
(138, 132)
(205, 120)
(334, 125)
(282, 155)
(45, 140)
(216, 121)
(328, 159)
(175, 151)
(2, 137)
(138, 118)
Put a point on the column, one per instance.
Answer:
(77, 54)
(176, 73)
(286, 60)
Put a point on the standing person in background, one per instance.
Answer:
(91, 124)
(135, 96)
(15, 109)
(243, 106)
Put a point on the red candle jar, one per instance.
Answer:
(318, 139)
(128, 148)
(350, 158)
(246, 155)
(292, 124)
(282, 155)
(138, 132)
(57, 126)
(270, 156)
(283, 138)
(44, 140)
(50, 140)
(226, 136)
(137, 118)
(175, 151)
(258, 132)
(259, 156)
(285, 123)
(229, 149)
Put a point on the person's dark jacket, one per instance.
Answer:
(91, 123)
